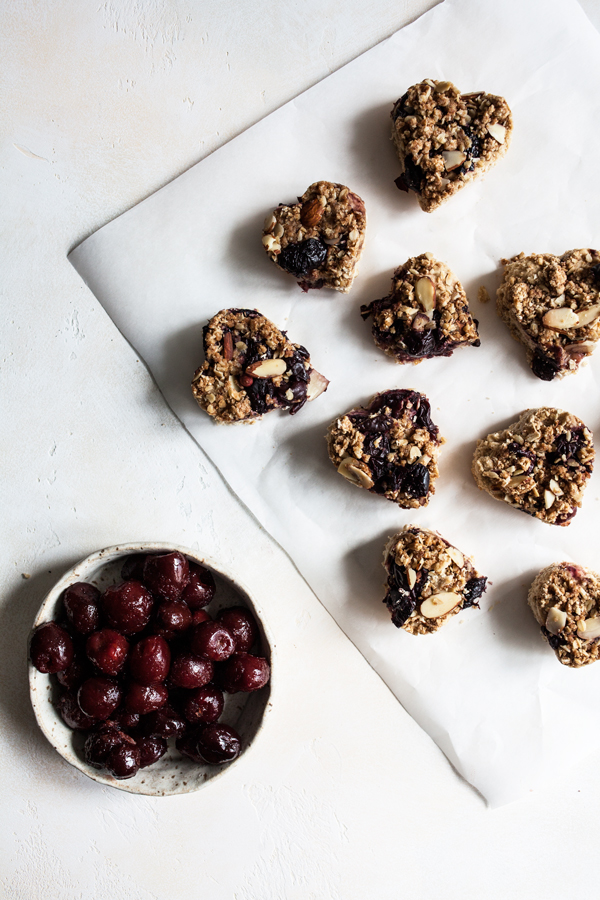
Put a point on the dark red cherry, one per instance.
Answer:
(100, 743)
(145, 698)
(133, 567)
(218, 744)
(151, 749)
(82, 605)
(190, 671)
(124, 720)
(243, 672)
(51, 649)
(99, 696)
(213, 641)
(124, 760)
(167, 574)
(76, 672)
(200, 615)
(201, 587)
(164, 723)
(72, 714)
(172, 618)
(205, 704)
(187, 744)
(127, 606)
(242, 625)
(149, 660)
(108, 650)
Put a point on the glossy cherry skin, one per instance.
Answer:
(218, 744)
(204, 705)
(190, 671)
(82, 605)
(133, 567)
(167, 574)
(242, 625)
(99, 696)
(149, 660)
(72, 714)
(145, 698)
(100, 743)
(127, 606)
(243, 672)
(151, 748)
(200, 615)
(200, 589)
(213, 641)
(124, 760)
(51, 649)
(172, 618)
(76, 672)
(108, 650)
(124, 720)
(187, 744)
(164, 723)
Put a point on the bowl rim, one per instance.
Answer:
(36, 678)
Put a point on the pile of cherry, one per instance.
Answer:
(143, 662)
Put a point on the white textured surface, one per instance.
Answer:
(349, 799)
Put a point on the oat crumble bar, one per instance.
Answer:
(251, 368)
(539, 464)
(389, 447)
(429, 580)
(565, 599)
(551, 304)
(426, 313)
(320, 238)
(445, 139)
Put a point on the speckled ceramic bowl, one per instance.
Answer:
(173, 774)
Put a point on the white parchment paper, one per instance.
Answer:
(486, 687)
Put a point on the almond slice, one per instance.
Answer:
(439, 604)
(549, 498)
(590, 630)
(498, 132)
(586, 348)
(425, 293)
(559, 319)
(267, 368)
(587, 316)
(352, 470)
(317, 384)
(453, 159)
(456, 556)
(555, 620)
(411, 577)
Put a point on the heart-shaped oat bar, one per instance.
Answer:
(445, 139)
(565, 599)
(252, 368)
(539, 464)
(320, 238)
(552, 305)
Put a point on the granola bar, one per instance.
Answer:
(252, 368)
(445, 139)
(565, 599)
(429, 580)
(320, 238)
(539, 464)
(551, 304)
(426, 313)
(389, 447)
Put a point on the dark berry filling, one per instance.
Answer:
(544, 366)
(401, 599)
(301, 258)
(473, 590)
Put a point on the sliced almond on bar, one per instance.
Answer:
(555, 620)
(453, 159)
(425, 293)
(560, 318)
(456, 556)
(587, 316)
(439, 604)
(267, 368)
(352, 470)
(590, 630)
(317, 384)
(498, 132)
